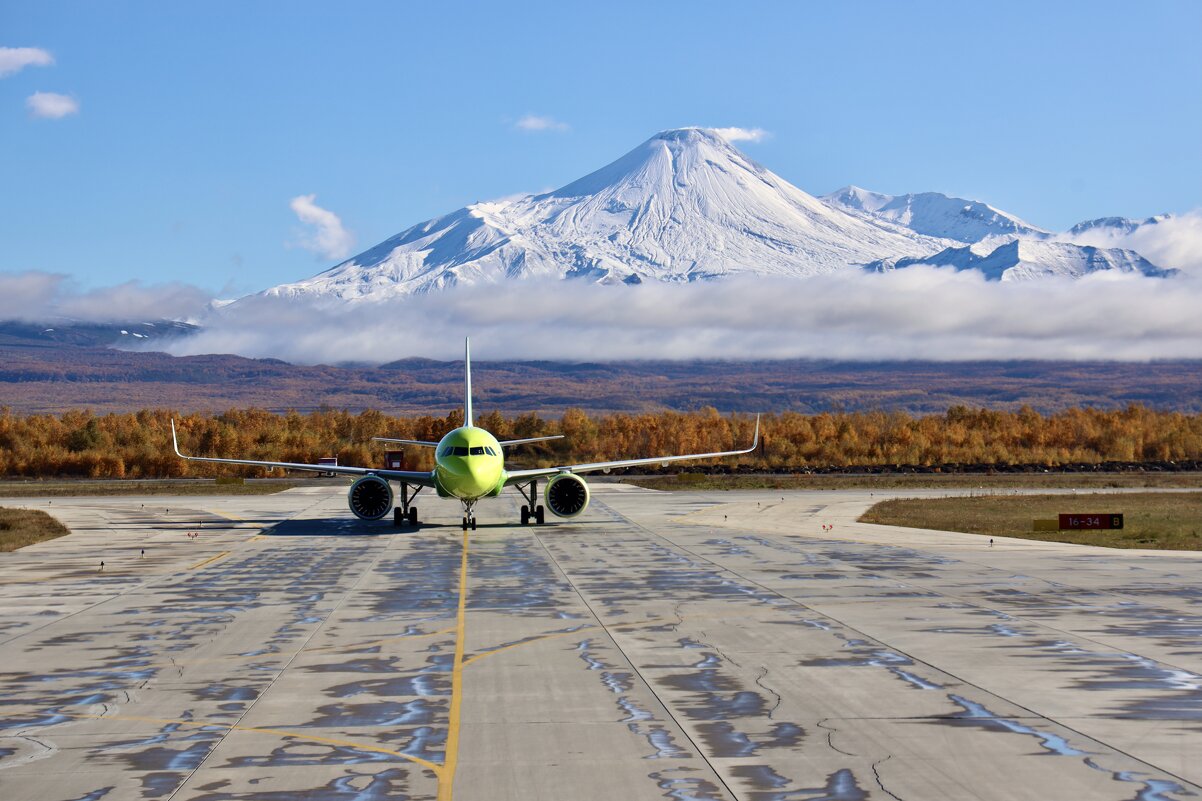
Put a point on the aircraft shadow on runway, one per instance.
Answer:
(353, 527)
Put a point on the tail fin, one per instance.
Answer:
(467, 382)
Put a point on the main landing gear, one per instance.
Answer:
(406, 512)
(532, 510)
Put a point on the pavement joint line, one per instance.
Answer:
(701, 754)
(531, 641)
(281, 670)
(619, 516)
(591, 626)
(1014, 615)
(149, 582)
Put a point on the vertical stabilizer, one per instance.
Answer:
(467, 382)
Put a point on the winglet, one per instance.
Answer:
(467, 382)
(175, 440)
(755, 441)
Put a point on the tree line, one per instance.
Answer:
(138, 445)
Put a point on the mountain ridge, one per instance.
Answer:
(686, 205)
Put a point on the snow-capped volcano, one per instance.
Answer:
(682, 206)
(687, 205)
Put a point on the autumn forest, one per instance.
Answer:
(138, 445)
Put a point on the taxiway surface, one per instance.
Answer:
(681, 646)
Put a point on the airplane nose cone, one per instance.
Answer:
(474, 477)
(484, 475)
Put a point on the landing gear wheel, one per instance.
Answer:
(398, 517)
(465, 523)
(473, 524)
(538, 514)
(413, 515)
(525, 515)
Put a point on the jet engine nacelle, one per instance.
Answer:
(567, 495)
(370, 498)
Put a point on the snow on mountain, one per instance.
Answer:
(933, 214)
(1112, 226)
(682, 206)
(686, 205)
(1028, 259)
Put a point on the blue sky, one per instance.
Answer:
(199, 123)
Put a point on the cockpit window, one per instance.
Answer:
(477, 451)
(460, 450)
(488, 449)
(447, 451)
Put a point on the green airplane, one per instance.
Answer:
(468, 465)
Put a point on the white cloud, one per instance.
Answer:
(51, 106)
(15, 59)
(28, 295)
(742, 134)
(916, 313)
(326, 236)
(1175, 241)
(38, 296)
(535, 122)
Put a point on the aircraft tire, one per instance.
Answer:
(473, 524)
(465, 523)
(413, 515)
(525, 515)
(398, 517)
(538, 514)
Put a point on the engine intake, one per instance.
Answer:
(567, 495)
(370, 498)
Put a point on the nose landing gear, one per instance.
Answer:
(469, 518)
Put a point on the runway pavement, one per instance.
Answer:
(665, 645)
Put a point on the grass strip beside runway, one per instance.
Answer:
(1159, 520)
(21, 527)
(89, 489)
(696, 482)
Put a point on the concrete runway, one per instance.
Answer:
(680, 646)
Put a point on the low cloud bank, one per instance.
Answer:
(918, 313)
(1173, 242)
(39, 297)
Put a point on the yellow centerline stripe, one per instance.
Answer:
(446, 777)
(210, 560)
(200, 724)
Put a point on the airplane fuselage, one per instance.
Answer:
(468, 464)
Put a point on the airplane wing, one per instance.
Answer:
(420, 442)
(518, 476)
(505, 443)
(409, 477)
